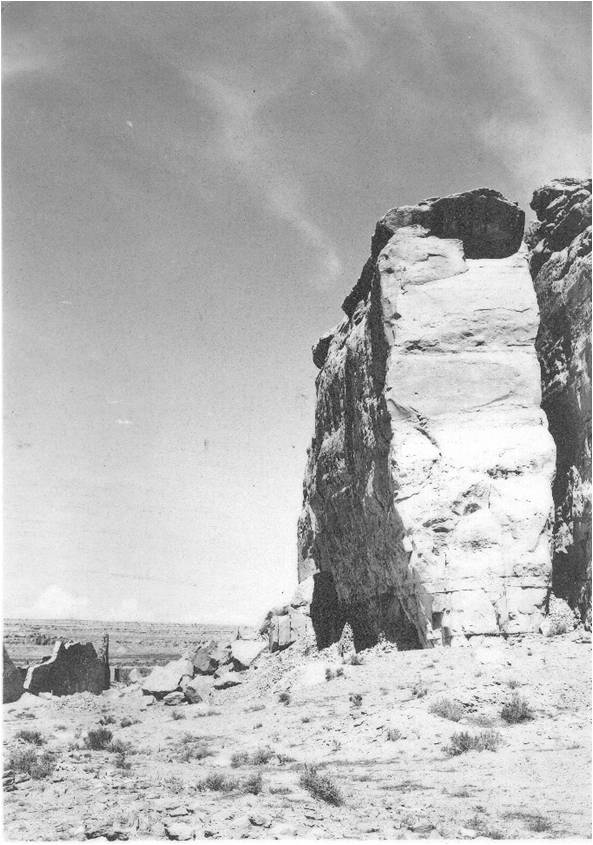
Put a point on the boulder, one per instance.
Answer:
(73, 667)
(228, 679)
(196, 689)
(12, 681)
(172, 699)
(207, 658)
(165, 679)
(244, 652)
(287, 629)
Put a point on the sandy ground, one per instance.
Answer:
(386, 754)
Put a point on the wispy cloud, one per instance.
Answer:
(256, 157)
(352, 51)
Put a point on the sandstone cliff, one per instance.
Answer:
(427, 498)
(560, 263)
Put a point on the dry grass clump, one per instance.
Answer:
(284, 698)
(356, 699)
(419, 690)
(97, 739)
(193, 748)
(464, 741)
(116, 746)
(32, 737)
(320, 786)
(393, 734)
(28, 761)
(447, 709)
(177, 715)
(127, 722)
(253, 784)
(254, 708)
(517, 710)
(533, 821)
(122, 762)
(107, 719)
(209, 713)
(217, 782)
(259, 757)
(356, 659)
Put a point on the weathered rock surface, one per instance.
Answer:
(166, 679)
(73, 667)
(287, 628)
(209, 657)
(427, 500)
(560, 263)
(244, 652)
(12, 681)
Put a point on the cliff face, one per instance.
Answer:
(560, 263)
(427, 497)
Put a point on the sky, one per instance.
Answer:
(189, 191)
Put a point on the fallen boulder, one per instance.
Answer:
(286, 629)
(209, 657)
(73, 667)
(196, 689)
(172, 699)
(228, 679)
(244, 652)
(165, 679)
(12, 682)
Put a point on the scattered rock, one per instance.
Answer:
(228, 679)
(244, 652)
(173, 699)
(165, 679)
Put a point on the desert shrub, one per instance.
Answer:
(284, 698)
(285, 758)
(320, 786)
(122, 762)
(217, 782)
(240, 758)
(61, 727)
(329, 674)
(127, 722)
(173, 783)
(516, 710)
(447, 709)
(107, 719)
(207, 713)
(394, 734)
(259, 725)
(32, 737)
(513, 683)
(356, 659)
(97, 739)
(22, 759)
(464, 741)
(177, 715)
(116, 746)
(280, 790)
(340, 672)
(26, 714)
(419, 690)
(259, 757)
(253, 784)
(356, 699)
(195, 752)
(43, 766)
(305, 719)
(254, 708)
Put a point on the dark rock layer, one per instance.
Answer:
(12, 681)
(560, 264)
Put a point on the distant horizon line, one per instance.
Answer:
(116, 621)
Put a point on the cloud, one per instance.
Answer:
(250, 148)
(353, 52)
(56, 603)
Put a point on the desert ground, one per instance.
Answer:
(386, 737)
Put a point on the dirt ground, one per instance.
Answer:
(371, 731)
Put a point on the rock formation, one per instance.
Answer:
(12, 681)
(560, 263)
(427, 497)
(73, 667)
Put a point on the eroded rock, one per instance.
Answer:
(12, 680)
(560, 263)
(428, 487)
(166, 679)
(244, 652)
(73, 667)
